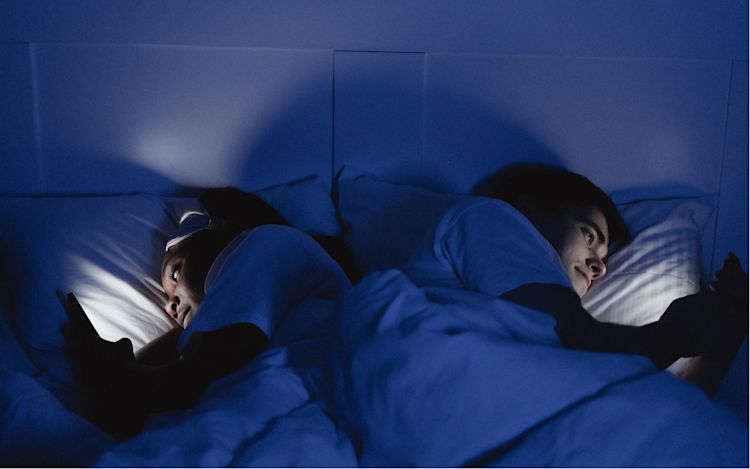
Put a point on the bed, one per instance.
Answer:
(349, 131)
(383, 373)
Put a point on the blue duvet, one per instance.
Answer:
(423, 366)
(443, 377)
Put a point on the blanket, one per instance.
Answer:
(396, 372)
(267, 414)
(433, 376)
(434, 369)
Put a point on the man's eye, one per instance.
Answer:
(588, 235)
(175, 274)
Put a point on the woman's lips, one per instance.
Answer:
(183, 316)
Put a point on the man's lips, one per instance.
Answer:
(585, 276)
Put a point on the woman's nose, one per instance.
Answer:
(597, 267)
(171, 307)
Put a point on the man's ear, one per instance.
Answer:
(527, 204)
(530, 207)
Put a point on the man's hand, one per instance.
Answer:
(732, 283)
(696, 325)
(710, 323)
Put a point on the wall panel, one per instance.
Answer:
(732, 224)
(634, 28)
(378, 110)
(159, 118)
(19, 169)
(629, 124)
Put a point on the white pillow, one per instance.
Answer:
(661, 264)
(108, 251)
(385, 224)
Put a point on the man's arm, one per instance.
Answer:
(708, 372)
(577, 329)
(704, 324)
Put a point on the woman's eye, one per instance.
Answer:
(175, 274)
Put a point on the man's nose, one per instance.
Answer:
(597, 267)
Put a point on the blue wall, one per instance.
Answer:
(648, 98)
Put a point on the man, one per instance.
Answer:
(545, 246)
(581, 222)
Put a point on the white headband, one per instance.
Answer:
(190, 223)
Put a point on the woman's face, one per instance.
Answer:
(183, 276)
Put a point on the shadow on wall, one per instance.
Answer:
(294, 142)
(107, 175)
(379, 126)
(434, 139)
(389, 126)
(393, 127)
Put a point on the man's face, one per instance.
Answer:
(183, 275)
(580, 236)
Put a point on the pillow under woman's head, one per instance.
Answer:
(108, 251)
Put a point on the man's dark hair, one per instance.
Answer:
(551, 188)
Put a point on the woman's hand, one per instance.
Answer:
(97, 361)
(108, 371)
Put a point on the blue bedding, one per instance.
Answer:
(270, 412)
(392, 372)
(443, 377)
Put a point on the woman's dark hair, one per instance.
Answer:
(551, 188)
(239, 210)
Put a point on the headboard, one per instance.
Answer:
(123, 97)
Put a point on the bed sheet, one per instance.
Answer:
(445, 377)
(37, 430)
(390, 373)
(269, 413)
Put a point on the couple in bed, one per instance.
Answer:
(540, 213)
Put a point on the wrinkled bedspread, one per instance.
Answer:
(391, 374)
(447, 377)
(269, 413)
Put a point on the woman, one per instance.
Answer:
(208, 250)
